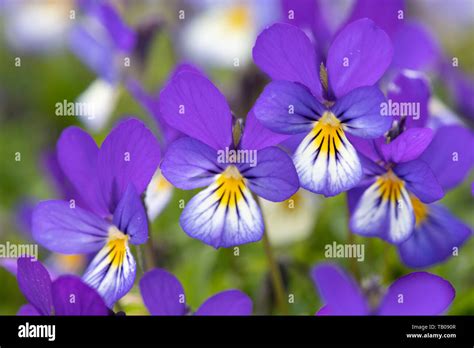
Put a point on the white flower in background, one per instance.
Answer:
(36, 26)
(101, 97)
(223, 32)
(292, 220)
(157, 195)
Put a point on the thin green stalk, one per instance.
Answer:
(275, 273)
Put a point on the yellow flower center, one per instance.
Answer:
(117, 246)
(328, 134)
(390, 187)
(238, 17)
(230, 186)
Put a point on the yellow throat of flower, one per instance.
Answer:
(238, 17)
(420, 209)
(117, 246)
(230, 186)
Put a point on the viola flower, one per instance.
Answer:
(433, 229)
(224, 214)
(67, 295)
(418, 293)
(395, 180)
(163, 294)
(109, 214)
(324, 109)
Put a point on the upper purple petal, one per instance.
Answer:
(230, 302)
(274, 177)
(385, 14)
(63, 228)
(71, 296)
(410, 88)
(28, 310)
(450, 155)
(418, 293)
(359, 111)
(162, 293)
(193, 105)
(77, 155)
(414, 47)
(358, 56)
(340, 293)
(129, 155)
(34, 282)
(256, 136)
(284, 52)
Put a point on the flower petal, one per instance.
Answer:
(77, 155)
(418, 293)
(360, 112)
(408, 146)
(97, 55)
(420, 180)
(129, 155)
(157, 195)
(386, 14)
(415, 47)
(34, 282)
(435, 237)
(326, 161)
(287, 107)
(256, 136)
(162, 293)
(274, 176)
(112, 271)
(62, 228)
(284, 52)
(130, 217)
(230, 302)
(450, 155)
(72, 297)
(340, 293)
(223, 215)
(410, 88)
(384, 210)
(193, 105)
(27, 310)
(188, 164)
(358, 56)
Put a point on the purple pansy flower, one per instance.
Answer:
(225, 213)
(395, 180)
(110, 214)
(324, 108)
(163, 294)
(418, 293)
(66, 295)
(432, 231)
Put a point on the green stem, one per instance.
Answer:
(275, 273)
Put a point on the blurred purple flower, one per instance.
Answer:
(67, 295)
(163, 294)
(225, 213)
(418, 293)
(302, 100)
(109, 213)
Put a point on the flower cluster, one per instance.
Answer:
(348, 110)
